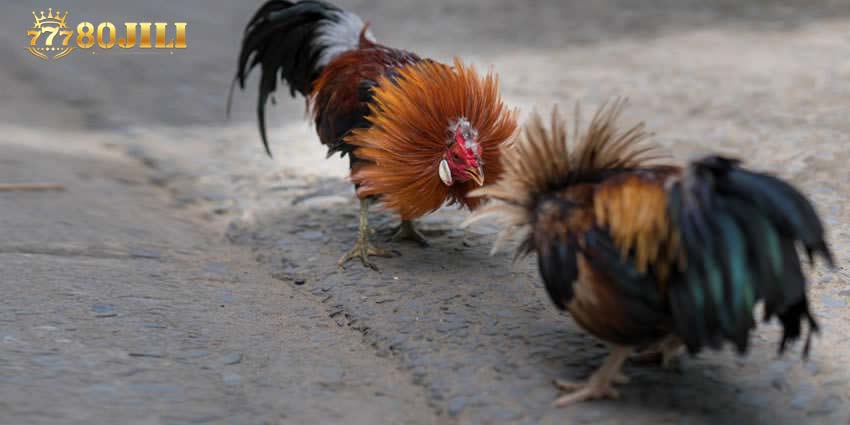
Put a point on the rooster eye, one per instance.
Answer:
(455, 157)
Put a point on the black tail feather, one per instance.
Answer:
(739, 232)
(791, 326)
(281, 38)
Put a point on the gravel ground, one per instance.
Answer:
(197, 217)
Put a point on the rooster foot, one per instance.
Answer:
(600, 384)
(407, 231)
(585, 391)
(363, 249)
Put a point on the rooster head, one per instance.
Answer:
(437, 131)
(462, 159)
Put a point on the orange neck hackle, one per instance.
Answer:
(416, 117)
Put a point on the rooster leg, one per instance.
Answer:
(666, 352)
(671, 348)
(362, 247)
(600, 383)
(407, 231)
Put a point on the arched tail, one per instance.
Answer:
(295, 40)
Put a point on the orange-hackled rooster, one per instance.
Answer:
(646, 255)
(418, 133)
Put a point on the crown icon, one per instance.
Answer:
(51, 18)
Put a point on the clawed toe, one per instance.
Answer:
(406, 231)
(568, 385)
(564, 385)
(380, 252)
(600, 384)
(363, 249)
(587, 392)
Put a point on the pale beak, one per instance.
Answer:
(477, 175)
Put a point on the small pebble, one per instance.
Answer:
(456, 405)
(232, 358)
(102, 308)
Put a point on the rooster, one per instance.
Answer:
(418, 133)
(644, 254)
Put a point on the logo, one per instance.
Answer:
(50, 37)
(52, 26)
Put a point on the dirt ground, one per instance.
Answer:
(184, 277)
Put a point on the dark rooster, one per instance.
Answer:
(645, 255)
(419, 134)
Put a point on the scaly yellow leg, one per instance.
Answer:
(362, 247)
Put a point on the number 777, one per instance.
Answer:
(35, 34)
